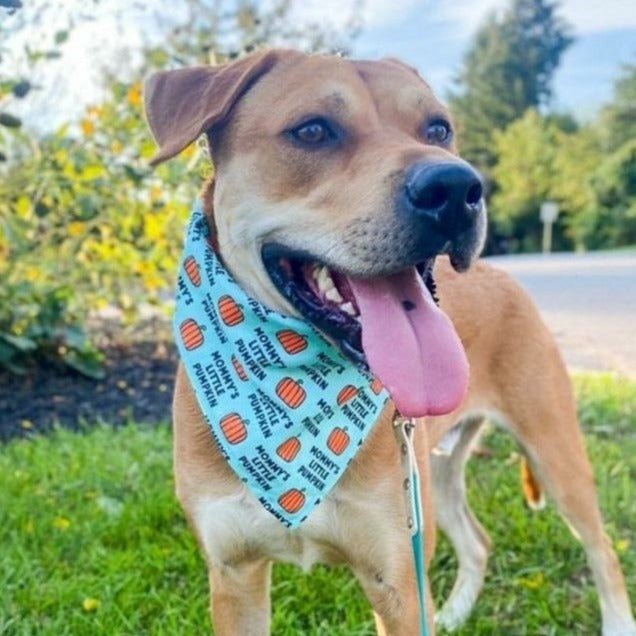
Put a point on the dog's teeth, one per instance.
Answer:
(334, 295)
(348, 308)
(324, 281)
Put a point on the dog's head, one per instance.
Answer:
(335, 182)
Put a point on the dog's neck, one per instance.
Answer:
(245, 267)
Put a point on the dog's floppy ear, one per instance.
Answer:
(184, 103)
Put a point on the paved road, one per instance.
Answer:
(588, 301)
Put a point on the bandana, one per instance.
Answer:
(287, 409)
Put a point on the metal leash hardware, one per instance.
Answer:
(403, 428)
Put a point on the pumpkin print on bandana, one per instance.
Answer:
(291, 341)
(289, 449)
(287, 409)
(191, 334)
(192, 270)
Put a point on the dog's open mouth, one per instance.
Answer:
(391, 323)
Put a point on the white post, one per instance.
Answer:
(549, 213)
(547, 237)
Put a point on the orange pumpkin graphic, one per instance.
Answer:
(191, 334)
(234, 428)
(290, 392)
(289, 449)
(291, 341)
(239, 368)
(292, 500)
(231, 312)
(376, 386)
(192, 270)
(346, 394)
(338, 440)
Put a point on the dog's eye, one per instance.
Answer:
(312, 133)
(438, 132)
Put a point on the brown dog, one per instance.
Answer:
(352, 164)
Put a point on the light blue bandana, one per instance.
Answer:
(287, 409)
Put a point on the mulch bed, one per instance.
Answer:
(140, 369)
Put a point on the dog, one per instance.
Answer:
(353, 165)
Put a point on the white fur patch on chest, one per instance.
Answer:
(237, 527)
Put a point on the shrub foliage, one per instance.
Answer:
(85, 224)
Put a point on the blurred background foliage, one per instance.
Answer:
(86, 225)
(529, 153)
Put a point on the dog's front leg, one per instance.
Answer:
(384, 564)
(240, 598)
(393, 595)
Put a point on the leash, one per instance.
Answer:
(403, 429)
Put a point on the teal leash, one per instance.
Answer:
(415, 519)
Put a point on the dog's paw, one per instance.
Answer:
(450, 617)
(625, 629)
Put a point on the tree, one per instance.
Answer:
(508, 70)
(576, 159)
(523, 172)
(619, 118)
(539, 161)
(614, 186)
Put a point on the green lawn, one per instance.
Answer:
(92, 541)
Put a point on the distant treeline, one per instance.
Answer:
(529, 153)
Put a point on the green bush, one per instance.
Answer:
(614, 185)
(537, 161)
(84, 223)
(36, 320)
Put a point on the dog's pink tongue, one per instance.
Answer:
(410, 344)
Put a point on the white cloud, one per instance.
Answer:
(374, 12)
(591, 15)
(467, 14)
(378, 12)
(585, 15)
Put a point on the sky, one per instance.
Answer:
(432, 35)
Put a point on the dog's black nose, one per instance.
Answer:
(448, 194)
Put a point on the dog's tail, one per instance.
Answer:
(532, 490)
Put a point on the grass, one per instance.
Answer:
(93, 542)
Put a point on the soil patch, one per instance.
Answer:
(140, 368)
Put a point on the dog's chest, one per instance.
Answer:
(237, 528)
